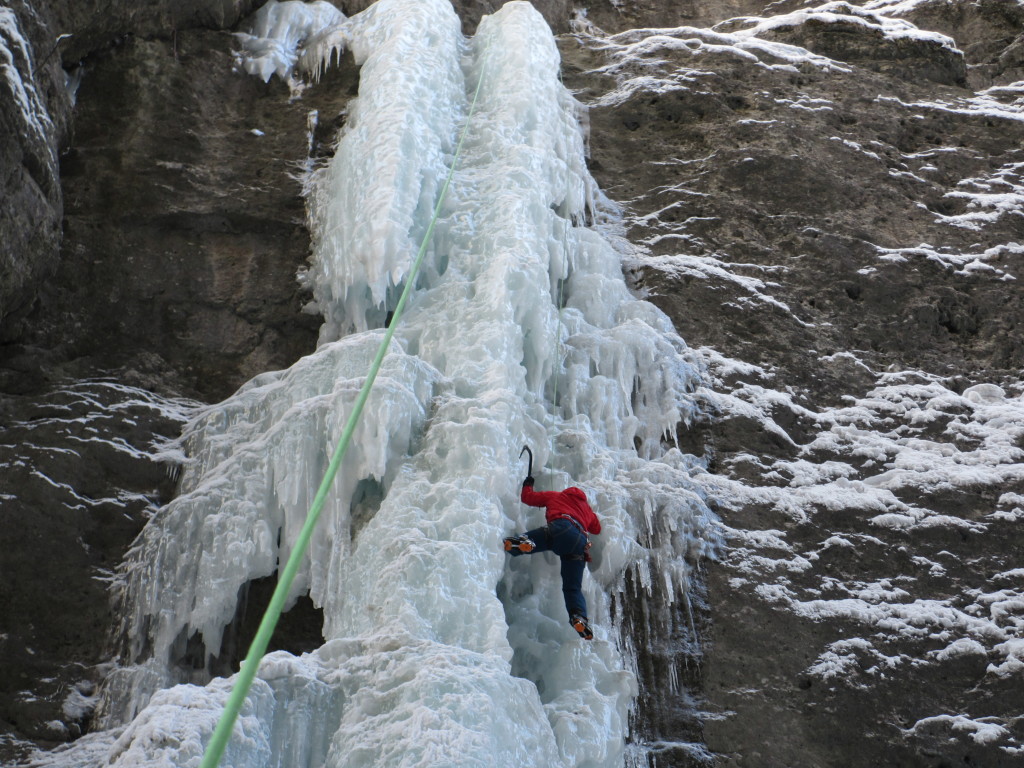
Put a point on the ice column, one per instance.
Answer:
(437, 648)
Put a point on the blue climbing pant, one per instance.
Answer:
(567, 541)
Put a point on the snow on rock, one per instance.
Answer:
(998, 102)
(892, 452)
(989, 199)
(31, 113)
(869, 490)
(981, 732)
(520, 330)
(895, 7)
(850, 33)
(637, 58)
(839, 13)
(854, 531)
(962, 263)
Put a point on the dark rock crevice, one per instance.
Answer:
(299, 630)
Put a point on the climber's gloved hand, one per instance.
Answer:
(528, 481)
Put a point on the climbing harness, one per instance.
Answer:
(585, 557)
(247, 673)
(574, 521)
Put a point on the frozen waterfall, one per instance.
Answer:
(438, 649)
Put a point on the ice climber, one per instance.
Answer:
(569, 520)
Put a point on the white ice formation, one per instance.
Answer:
(16, 71)
(438, 649)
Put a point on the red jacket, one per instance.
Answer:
(571, 502)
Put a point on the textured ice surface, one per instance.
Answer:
(278, 30)
(438, 649)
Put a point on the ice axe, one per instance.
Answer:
(526, 449)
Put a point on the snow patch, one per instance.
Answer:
(980, 730)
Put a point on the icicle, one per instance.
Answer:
(284, 36)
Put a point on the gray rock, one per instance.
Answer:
(33, 113)
(35, 105)
(180, 235)
(818, 228)
(849, 34)
(82, 474)
(176, 275)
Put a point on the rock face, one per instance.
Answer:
(80, 480)
(37, 40)
(828, 202)
(164, 186)
(841, 237)
(33, 111)
(175, 278)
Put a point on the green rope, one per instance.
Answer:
(244, 679)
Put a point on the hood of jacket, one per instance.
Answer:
(576, 493)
